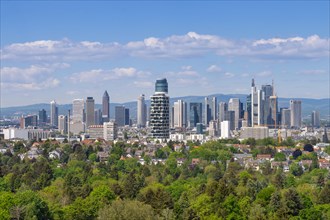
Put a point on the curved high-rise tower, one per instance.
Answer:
(159, 111)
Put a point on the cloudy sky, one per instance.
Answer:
(66, 50)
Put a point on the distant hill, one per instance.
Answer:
(308, 105)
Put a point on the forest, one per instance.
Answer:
(208, 184)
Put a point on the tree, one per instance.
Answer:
(257, 212)
(292, 202)
(308, 147)
(324, 197)
(127, 210)
(280, 157)
(297, 153)
(157, 197)
(296, 169)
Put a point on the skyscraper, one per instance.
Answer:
(77, 123)
(90, 114)
(105, 107)
(98, 117)
(248, 109)
(267, 91)
(53, 114)
(255, 105)
(63, 124)
(273, 112)
(234, 105)
(120, 115)
(159, 111)
(223, 108)
(285, 118)
(230, 117)
(195, 113)
(295, 107)
(141, 111)
(214, 108)
(316, 119)
(127, 118)
(207, 111)
(42, 117)
(180, 114)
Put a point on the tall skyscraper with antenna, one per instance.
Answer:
(105, 107)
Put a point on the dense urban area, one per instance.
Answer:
(209, 161)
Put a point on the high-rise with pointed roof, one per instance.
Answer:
(105, 107)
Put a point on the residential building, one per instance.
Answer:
(159, 111)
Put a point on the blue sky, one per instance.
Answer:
(66, 50)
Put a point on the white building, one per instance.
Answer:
(77, 123)
(25, 134)
(177, 137)
(63, 124)
(225, 129)
(110, 131)
(254, 132)
(180, 114)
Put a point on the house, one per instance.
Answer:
(195, 161)
(177, 148)
(324, 164)
(264, 157)
(242, 158)
(141, 161)
(180, 161)
(253, 164)
(103, 156)
(305, 164)
(55, 154)
(278, 164)
(33, 153)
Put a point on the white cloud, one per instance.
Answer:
(313, 72)
(213, 69)
(34, 77)
(143, 84)
(264, 73)
(229, 75)
(21, 86)
(175, 46)
(98, 75)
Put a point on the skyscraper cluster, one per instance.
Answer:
(219, 118)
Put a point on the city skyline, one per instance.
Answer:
(124, 47)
